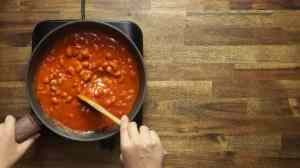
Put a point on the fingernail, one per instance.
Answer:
(124, 118)
(9, 117)
(36, 136)
(133, 124)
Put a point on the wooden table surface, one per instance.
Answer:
(223, 78)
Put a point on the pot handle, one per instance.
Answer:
(26, 127)
(82, 10)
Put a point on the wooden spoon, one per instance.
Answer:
(100, 109)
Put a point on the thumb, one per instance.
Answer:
(23, 147)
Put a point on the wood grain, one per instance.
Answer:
(265, 4)
(244, 5)
(223, 79)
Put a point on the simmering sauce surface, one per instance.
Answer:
(95, 64)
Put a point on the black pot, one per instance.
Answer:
(31, 123)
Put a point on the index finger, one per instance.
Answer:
(124, 131)
(10, 122)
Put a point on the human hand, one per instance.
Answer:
(10, 151)
(140, 149)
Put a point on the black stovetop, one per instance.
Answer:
(131, 29)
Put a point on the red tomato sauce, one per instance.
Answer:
(94, 64)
